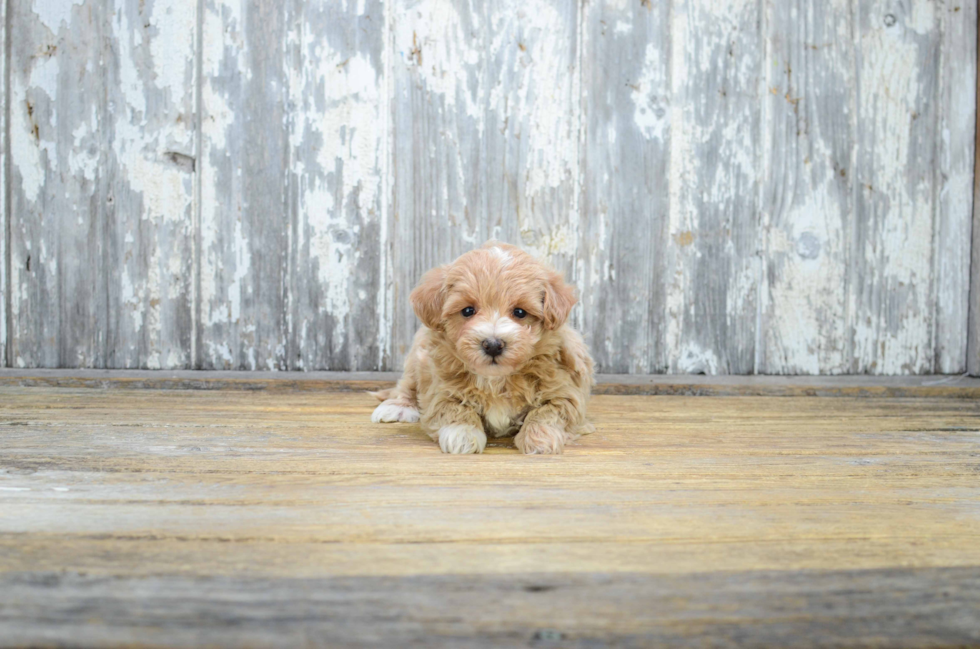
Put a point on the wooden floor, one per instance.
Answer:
(286, 518)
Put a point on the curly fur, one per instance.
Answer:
(537, 388)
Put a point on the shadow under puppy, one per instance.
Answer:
(495, 356)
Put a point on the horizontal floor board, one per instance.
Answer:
(948, 386)
(935, 607)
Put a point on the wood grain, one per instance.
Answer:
(244, 227)
(4, 207)
(278, 516)
(336, 185)
(712, 272)
(879, 608)
(150, 167)
(749, 187)
(973, 351)
(626, 102)
(57, 181)
(807, 192)
(954, 173)
(894, 227)
(485, 131)
(904, 387)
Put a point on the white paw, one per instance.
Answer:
(390, 411)
(462, 438)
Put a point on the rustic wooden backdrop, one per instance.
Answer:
(742, 186)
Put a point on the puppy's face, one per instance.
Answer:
(493, 305)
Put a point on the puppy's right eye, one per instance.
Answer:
(468, 311)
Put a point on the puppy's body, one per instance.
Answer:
(495, 356)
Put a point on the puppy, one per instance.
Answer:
(494, 356)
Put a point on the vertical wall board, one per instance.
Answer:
(807, 187)
(485, 112)
(530, 129)
(626, 116)
(244, 154)
(57, 144)
(150, 178)
(973, 348)
(954, 181)
(713, 265)
(336, 188)
(4, 259)
(891, 294)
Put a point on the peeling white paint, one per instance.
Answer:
(693, 359)
(175, 24)
(901, 249)
(499, 146)
(649, 115)
(432, 40)
(54, 13)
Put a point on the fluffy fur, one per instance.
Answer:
(537, 388)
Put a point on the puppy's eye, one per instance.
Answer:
(468, 311)
(520, 313)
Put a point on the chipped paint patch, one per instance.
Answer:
(650, 112)
(55, 13)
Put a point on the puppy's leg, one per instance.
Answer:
(549, 427)
(457, 428)
(400, 403)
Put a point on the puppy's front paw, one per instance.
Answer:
(462, 438)
(393, 410)
(541, 439)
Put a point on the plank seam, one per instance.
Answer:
(103, 215)
(763, 163)
(292, 21)
(973, 310)
(850, 279)
(384, 299)
(937, 180)
(932, 386)
(195, 359)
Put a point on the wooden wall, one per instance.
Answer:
(736, 187)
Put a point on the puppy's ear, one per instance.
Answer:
(559, 298)
(428, 296)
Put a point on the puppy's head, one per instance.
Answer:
(493, 305)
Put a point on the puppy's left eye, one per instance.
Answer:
(520, 313)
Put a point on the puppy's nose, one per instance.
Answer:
(493, 347)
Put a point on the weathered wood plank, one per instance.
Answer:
(244, 209)
(973, 343)
(336, 187)
(713, 269)
(58, 190)
(149, 171)
(807, 187)
(4, 258)
(904, 387)
(955, 141)
(875, 608)
(625, 166)
(485, 140)
(892, 292)
(289, 515)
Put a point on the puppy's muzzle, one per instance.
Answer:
(493, 347)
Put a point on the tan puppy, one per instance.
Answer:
(494, 356)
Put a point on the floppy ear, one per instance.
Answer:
(428, 296)
(559, 298)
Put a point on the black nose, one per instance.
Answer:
(493, 347)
